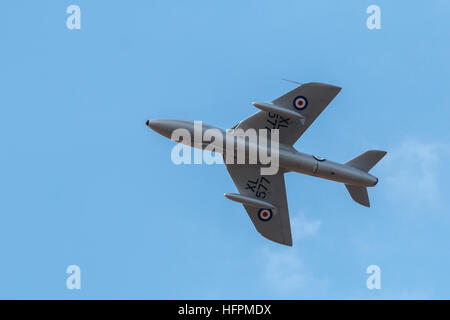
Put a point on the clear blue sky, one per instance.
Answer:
(83, 181)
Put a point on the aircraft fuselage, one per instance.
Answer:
(289, 158)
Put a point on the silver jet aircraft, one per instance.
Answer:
(264, 196)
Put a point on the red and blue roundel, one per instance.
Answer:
(300, 103)
(319, 158)
(265, 214)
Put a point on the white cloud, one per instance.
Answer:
(302, 228)
(284, 270)
(413, 173)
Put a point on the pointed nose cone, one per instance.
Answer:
(157, 125)
(164, 127)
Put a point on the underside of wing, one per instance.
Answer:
(267, 207)
(309, 100)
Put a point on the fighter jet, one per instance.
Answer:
(264, 196)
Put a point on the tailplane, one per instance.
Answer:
(359, 194)
(363, 162)
(367, 160)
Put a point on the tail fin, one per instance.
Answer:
(364, 162)
(359, 194)
(367, 160)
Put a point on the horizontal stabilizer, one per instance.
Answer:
(359, 194)
(367, 160)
